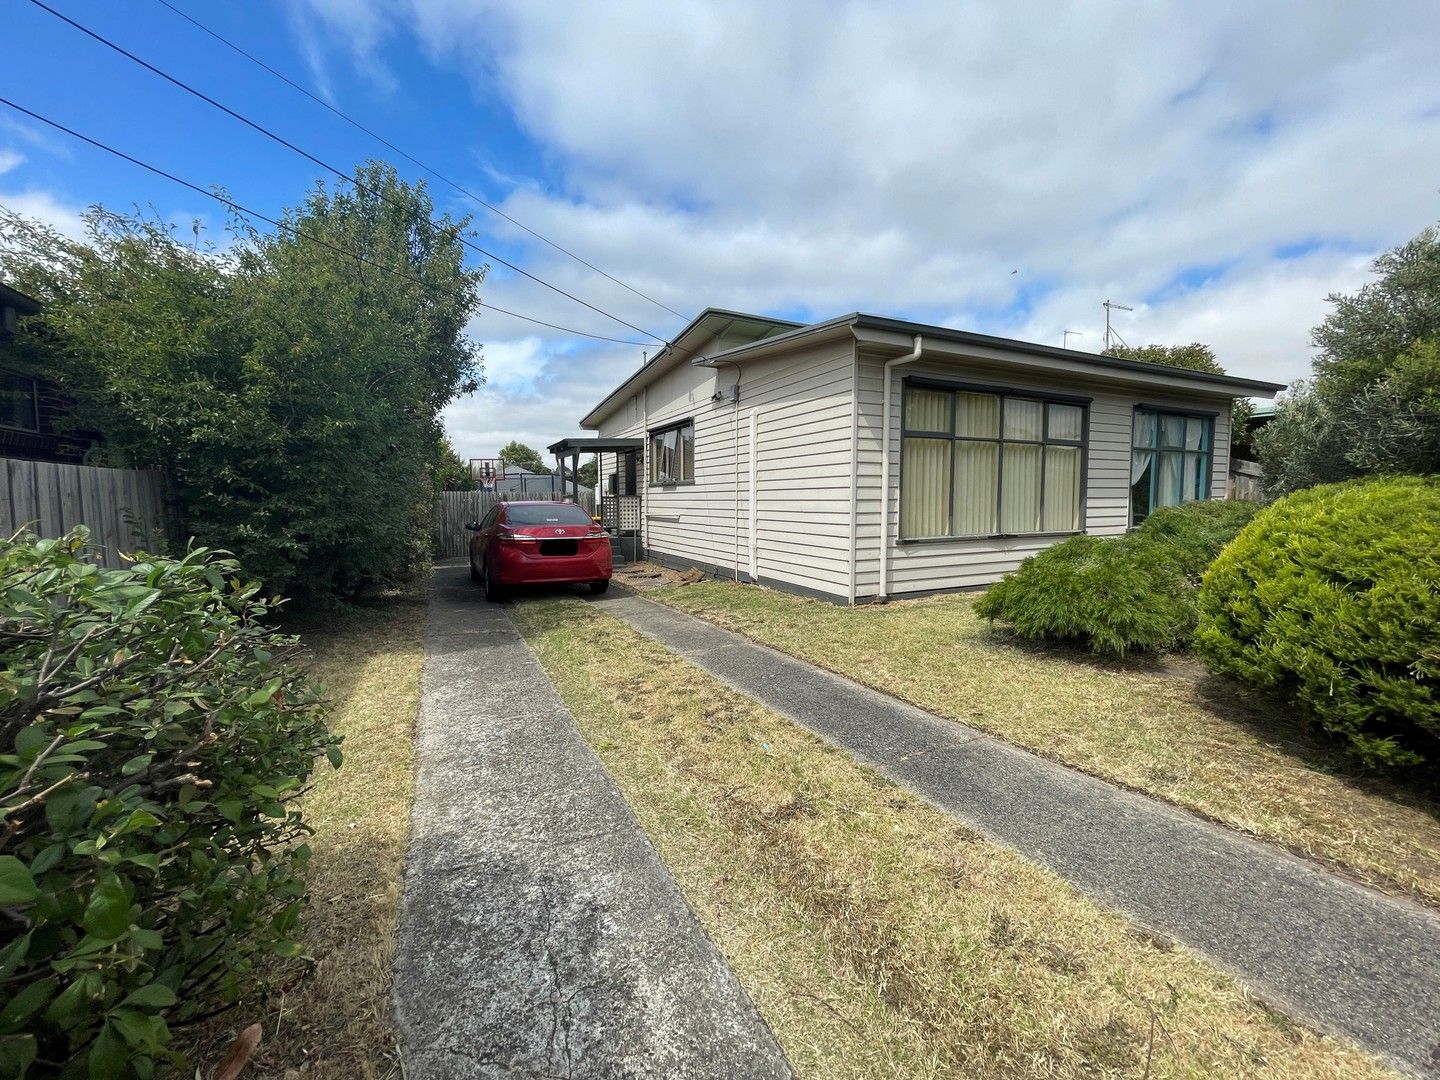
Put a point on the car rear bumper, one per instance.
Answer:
(522, 564)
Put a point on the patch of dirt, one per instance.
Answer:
(641, 576)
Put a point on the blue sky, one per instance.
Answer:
(1220, 168)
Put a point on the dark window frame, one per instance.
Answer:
(1206, 454)
(674, 425)
(1046, 399)
(33, 429)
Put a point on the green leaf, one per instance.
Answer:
(107, 916)
(230, 809)
(108, 1054)
(16, 1054)
(151, 996)
(136, 764)
(31, 740)
(29, 1000)
(16, 884)
(14, 954)
(336, 757)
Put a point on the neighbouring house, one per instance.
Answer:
(866, 457)
(33, 411)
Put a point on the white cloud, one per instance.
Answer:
(10, 159)
(906, 157)
(64, 217)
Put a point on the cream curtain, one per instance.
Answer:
(1167, 482)
(1020, 488)
(1066, 422)
(1062, 489)
(927, 410)
(925, 489)
(1022, 419)
(977, 415)
(975, 483)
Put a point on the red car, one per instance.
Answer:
(538, 543)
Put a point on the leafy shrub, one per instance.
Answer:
(1119, 594)
(1331, 598)
(155, 736)
(1197, 531)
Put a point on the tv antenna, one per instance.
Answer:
(1111, 335)
(1065, 337)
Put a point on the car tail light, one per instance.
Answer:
(506, 534)
(595, 534)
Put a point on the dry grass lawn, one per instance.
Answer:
(876, 935)
(1166, 729)
(332, 1019)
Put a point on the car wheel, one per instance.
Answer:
(598, 587)
(475, 574)
(493, 591)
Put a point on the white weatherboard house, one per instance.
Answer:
(865, 457)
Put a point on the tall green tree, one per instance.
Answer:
(290, 386)
(1373, 405)
(517, 453)
(1192, 357)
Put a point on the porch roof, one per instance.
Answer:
(567, 447)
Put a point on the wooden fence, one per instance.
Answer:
(1247, 483)
(123, 508)
(455, 508)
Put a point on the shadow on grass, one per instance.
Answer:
(1281, 727)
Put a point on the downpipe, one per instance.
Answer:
(883, 592)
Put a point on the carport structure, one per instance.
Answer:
(619, 487)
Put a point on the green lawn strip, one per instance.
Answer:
(333, 1020)
(1164, 728)
(877, 935)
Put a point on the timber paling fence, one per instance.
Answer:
(123, 508)
(455, 508)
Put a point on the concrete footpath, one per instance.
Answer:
(540, 934)
(1344, 958)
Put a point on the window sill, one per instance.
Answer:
(671, 484)
(905, 541)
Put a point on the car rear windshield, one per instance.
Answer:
(559, 514)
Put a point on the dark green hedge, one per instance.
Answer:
(1331, 598)
(155, 736)
(1131, 593)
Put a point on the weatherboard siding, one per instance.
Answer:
(803, 405)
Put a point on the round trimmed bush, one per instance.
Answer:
(1115, 594)
(1331, 599)
(1119, 594)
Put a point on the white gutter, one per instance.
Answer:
(883, 592)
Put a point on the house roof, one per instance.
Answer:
(710, 323)
(14, 298)
(785, 332)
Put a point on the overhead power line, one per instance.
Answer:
(300, 233)
(344, 176)
(288, 81)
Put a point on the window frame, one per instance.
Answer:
(1045, 398)
(674, 425)
(1208, 454)
(34, 401)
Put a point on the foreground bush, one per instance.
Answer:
(1331, 598)
(154, 737)
(1119, 594)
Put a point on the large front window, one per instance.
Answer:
(1169, 460)
(977, 463)
(672, 454)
